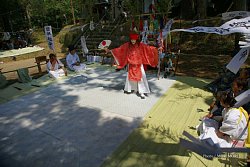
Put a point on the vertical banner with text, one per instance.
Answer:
(49, 37)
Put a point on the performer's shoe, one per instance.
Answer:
(118, 69)
(126, 92)
(142, 96)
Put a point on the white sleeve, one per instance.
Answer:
(48, 66)
(69, 62)
(60, 63)
(233, 123)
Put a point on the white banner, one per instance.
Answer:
(166, 29)
(232, 26)
(91, 25)
(242, 99)
(246, 43)
(84, 46)
(238, 60)
(145, 32)
(231, 15)
(49, 37)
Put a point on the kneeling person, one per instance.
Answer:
(55, 67)
(73, 61)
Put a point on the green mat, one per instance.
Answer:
(155, 142)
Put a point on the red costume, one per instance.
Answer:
(135, 55)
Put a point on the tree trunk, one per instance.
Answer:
(187, 9)
(240, 5)
(73, 12)
(201, 9)
(28, 16)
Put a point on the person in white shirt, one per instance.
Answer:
(55, 67)
(234, 126)
(73, 61)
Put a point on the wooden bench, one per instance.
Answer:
(40, 61)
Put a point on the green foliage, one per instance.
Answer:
(135, 7)
(164, 6)
(68, 37)
(22, 13)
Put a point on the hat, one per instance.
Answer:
(71, 47)
(133, 36)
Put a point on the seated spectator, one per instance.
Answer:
(238, 86)
(73, 61)
(168, 66)
(232, 127)
(55, 67)
(222, 83)
(245, 75)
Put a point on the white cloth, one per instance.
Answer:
(56, 71)
(79, 68)
(141, 86)
(242, 98)
(210, 132)
(233, 125)
(84, 46)
(72, 59)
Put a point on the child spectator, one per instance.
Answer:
(55, 67)
(168, 64)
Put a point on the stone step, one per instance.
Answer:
(97, 37)
(101, 32)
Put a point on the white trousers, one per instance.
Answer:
(208, 128)
(80, 67)
(140, 86)
(57, 73)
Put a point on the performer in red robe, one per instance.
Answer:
(134, 54)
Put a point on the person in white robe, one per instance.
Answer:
(55, 67)
(234, 124)
(134, 55)
(73, 61)
(137, 86)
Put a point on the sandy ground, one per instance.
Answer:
(204, 66)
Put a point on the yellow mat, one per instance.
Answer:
(155, 142)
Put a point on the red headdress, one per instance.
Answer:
(133, 36)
